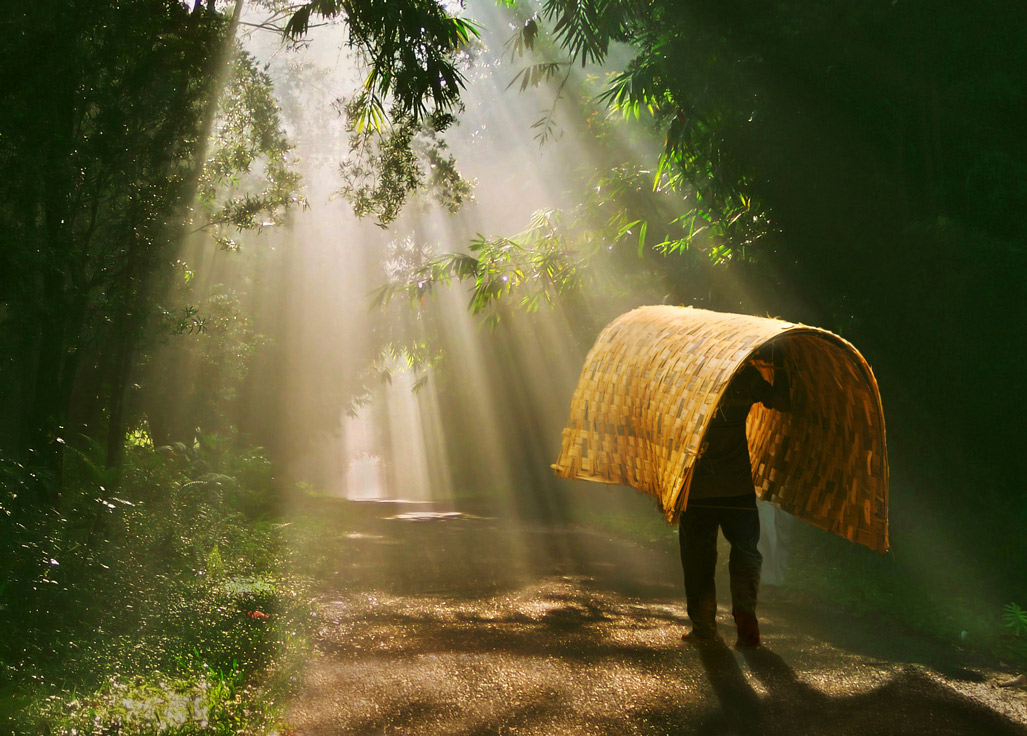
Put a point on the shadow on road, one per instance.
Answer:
(557, 657)
(480, 625)
(909, 703)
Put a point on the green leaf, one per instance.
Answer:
(1014, 619)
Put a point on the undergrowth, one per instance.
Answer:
(965, 614)
(649, 529)
(157, 599)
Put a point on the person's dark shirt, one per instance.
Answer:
(723, 468)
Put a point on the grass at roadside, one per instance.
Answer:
(965, 613)
(158, 601)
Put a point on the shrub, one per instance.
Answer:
(172, 571)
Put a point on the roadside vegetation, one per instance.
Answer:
(159, 599)
(143, 579)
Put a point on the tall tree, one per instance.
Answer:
(108, 107)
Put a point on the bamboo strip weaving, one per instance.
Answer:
(652, 382)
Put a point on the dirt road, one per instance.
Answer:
(473, 624)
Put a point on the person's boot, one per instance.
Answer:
(748, 630)
(700, 634)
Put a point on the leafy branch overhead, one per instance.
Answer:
(248, 181)
(384, 166)
(614, 242)
(410, 48)
(535, 267)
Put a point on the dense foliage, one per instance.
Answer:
(127, 129)
(103, 151)
(177, 577)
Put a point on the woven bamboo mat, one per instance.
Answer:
(651, 384)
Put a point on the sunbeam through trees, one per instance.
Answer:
(294, 297)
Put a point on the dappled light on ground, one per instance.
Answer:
(470, 637)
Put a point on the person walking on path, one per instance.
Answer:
(722, 497)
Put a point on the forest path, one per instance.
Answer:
(479, 624)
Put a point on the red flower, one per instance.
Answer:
(256, 615)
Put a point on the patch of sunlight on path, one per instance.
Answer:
(444, 634)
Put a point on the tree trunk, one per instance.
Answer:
(116, 424)
(44, 445)
(127, 326)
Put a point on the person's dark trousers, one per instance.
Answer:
(737, 517)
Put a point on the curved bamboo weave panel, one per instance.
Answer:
(654, 377)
